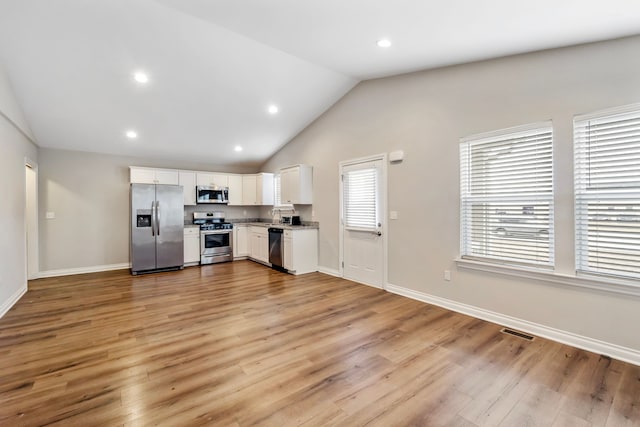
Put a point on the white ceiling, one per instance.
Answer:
(215, 66)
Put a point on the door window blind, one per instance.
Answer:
(360, 201)
(607, 193)
(507, 196)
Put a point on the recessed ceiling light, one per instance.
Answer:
(238, 148)
(140, 77)
(273, 109)
(131, 134)
(384, 43)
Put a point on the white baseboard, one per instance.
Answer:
(615, 351)
(83, 270)
(329, 271)
(6, 306)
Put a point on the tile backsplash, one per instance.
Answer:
(230, 212)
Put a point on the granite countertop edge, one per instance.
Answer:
(260, 222)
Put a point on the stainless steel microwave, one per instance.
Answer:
(209, 194)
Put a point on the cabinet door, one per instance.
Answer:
(287, 185)
(220, 180)
(235, 190)
(243, 241)
(264, 248)
(203, 178)
(142, 176)
(167, 177)
(249, 194)
(188, 182)
(255, 246)
(240, 241)
(264, 188)
(191, 248)
(288, 254)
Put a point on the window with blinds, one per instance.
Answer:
(507, 196)
(276, 190)
(360, 199)
(607, 192)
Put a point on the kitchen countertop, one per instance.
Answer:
(304, 226)
(308, 226)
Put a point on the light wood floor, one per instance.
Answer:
(238, 344)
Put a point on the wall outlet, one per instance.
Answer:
(447, 275)
(50, 215)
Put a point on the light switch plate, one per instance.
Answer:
(50, 215)
(393, 215)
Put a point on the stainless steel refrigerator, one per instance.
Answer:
(157, 227)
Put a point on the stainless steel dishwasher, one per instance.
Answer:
(276, 248)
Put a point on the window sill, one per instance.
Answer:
(609, 285)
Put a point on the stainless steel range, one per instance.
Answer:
(216, 237)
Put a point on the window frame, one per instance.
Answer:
(584, 193)
(467, 199)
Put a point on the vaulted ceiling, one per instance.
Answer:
(215, 67)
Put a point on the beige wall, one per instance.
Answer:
(89, 194)
(425, 114)
(14, 147)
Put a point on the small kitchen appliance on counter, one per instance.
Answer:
(295, 220)
(216, 237)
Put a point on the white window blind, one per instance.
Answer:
(360, 189)
(607, 193)
(507, 196)
(276, 190)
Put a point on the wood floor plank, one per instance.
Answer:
(239, 344)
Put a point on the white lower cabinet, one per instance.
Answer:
(240, 241)
(191, 245)
(259, 244)
(300, 251)
(287, 249)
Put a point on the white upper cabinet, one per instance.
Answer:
(235, 190)
(257, 189)
(139, 175)
(296, 185)
(249, 193)
(212, 179)
(264, 188)
(188, 181)
(248, 190)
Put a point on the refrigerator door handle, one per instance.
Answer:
(158, 218)
(153, 218)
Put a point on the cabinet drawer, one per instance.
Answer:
(188, 231)
(263, 231)
(288, 233)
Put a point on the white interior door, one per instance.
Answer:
(363, 222)
(32, 221)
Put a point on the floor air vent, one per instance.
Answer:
(517, 334)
